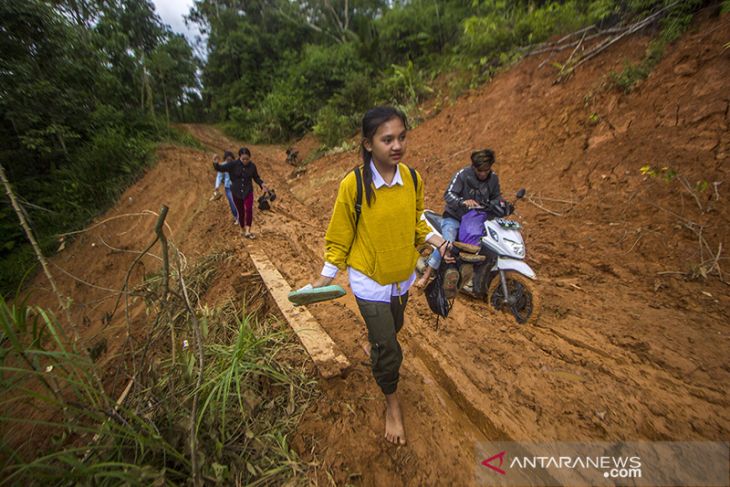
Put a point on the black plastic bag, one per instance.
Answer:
(436, 296)
(264, 199)
(264, 203)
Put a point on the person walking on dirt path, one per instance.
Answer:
(225, 179)
(243, 172)
(376, 242)
(471, 187)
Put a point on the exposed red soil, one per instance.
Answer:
(628, 346)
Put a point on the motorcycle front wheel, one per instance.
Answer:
(524, 300)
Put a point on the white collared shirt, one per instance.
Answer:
(362, 286)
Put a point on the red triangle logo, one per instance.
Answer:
(488, 462)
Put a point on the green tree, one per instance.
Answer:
(46, 70)
(77, 80)
(174, 70)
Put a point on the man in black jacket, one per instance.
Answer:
(471, 187)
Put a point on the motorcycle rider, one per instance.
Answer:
(471, 187)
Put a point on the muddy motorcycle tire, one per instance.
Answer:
(526, 309)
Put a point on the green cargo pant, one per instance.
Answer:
(384, 321)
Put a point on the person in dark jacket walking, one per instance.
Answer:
(471, 187)
(243, 172)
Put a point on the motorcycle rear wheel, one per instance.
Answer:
(526, 308)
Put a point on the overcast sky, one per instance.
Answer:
(172, 11)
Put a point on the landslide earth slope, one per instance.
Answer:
(631, 343)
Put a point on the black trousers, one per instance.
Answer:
(384, 321)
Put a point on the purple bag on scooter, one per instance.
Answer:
(471, 228)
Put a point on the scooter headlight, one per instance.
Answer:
(517, 248)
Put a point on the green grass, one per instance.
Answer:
(627, 79)
(182, 137)
(254, 389)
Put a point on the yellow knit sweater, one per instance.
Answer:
(384, 245)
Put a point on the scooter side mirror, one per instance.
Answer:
(521, 193)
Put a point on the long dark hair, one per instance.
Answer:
(374, 118)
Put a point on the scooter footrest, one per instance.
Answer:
(472, 258)
(472, 249)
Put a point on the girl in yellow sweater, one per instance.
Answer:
(376, 243)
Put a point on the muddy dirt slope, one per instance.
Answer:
(633, 340)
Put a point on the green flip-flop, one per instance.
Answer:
(309, 295)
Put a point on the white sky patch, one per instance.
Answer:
(172, 11)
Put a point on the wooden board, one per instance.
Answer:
(328, 358)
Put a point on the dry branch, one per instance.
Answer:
(197, 480)
(561, 47)
(615, 34)
(36, 248)
(126, 215)
(570, 58)
(160, 221)
(86, 283)
(532, 201)
(165, 261)
(568, 202)
(607, 43)
(641, 234)
(687, 186)
(118, 403)
(116, 249)
(702, 268)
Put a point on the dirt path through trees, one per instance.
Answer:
(631, 345)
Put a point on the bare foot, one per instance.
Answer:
(394, 430)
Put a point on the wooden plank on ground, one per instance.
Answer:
(328, 358)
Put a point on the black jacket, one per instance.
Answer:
(241, 176)
(466, 186)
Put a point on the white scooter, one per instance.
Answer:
(495, 270)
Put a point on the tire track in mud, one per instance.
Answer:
(556, 366)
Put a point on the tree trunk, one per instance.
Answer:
(441, 31)
(180, 109)
(167, 108)
(63, 145)
(142, 84)
(150, 98)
